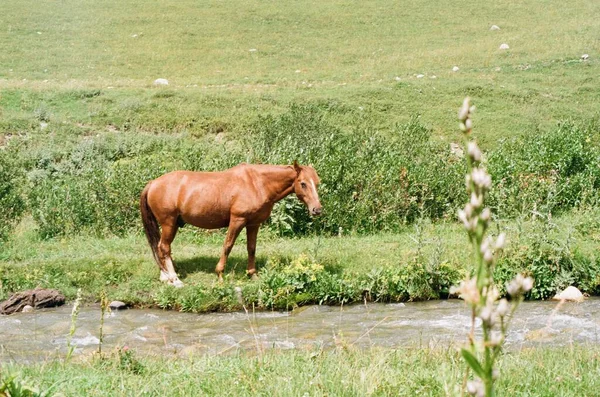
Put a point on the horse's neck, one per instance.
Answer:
(278, 182)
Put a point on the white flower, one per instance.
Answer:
(500, 241)
(463, 113)
(475, 388)
(487, 315)
(502, 308)
(469, 124)
(519, 285)
(467, 290)
(474, 151)
(488, 257)
(476, 200)
(496, 339)
(486, 214)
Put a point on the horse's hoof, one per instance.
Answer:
(176, 283)
(220, 278)
(253, 276)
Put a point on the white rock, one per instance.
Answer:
(298, 70)
(134, 35)
(27, 309)
(570, 294)
(43, 125)
(585, 57)
(455, 69)
(252, 50)
(161, 82)
(433, 77)
(420, 76)
(397, 78)
(495, 27)
(117, 305)
(504, 46)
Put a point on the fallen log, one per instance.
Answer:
(37, 298)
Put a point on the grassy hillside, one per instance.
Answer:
(228, 62)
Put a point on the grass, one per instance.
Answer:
(564, 371)
(90, 65)
(125, 269)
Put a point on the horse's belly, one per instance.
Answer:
(207, 221)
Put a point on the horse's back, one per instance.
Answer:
(202, 199)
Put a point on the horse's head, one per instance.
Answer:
(305, 186)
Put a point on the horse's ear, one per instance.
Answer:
(297, 166)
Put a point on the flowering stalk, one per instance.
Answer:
(74, 315)
(104, 308)
(480, 292)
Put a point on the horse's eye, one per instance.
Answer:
(303, 185)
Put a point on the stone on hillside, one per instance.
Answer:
(36, 298)
(495, 27)
(420, 76)
(161, 82)
(455, 69)
(571, 294)
(504, 46)
(457, 150)
(117, 305)
(585, 57)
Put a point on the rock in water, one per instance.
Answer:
(570, 294)
(161, 82)
(35, 297)
(117, 305)
(27, 309)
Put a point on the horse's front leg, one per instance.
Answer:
(235, 227)
(252, 233)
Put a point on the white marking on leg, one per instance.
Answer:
(171, 275)
(164, 276)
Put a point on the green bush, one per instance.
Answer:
(553, 268)
(12, 204)
(370, 182)
(549, 172)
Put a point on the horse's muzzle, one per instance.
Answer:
(316, 211)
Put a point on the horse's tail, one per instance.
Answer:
(150, 224)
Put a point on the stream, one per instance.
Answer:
(43, 334)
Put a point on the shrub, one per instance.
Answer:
(371, 181)
(12, 204)
(553, 267)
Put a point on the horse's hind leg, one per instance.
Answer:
(167, 273)
(235, 227)
(252, 233)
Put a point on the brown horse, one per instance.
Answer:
(242, 196)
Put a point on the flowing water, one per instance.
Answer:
(43, 334)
